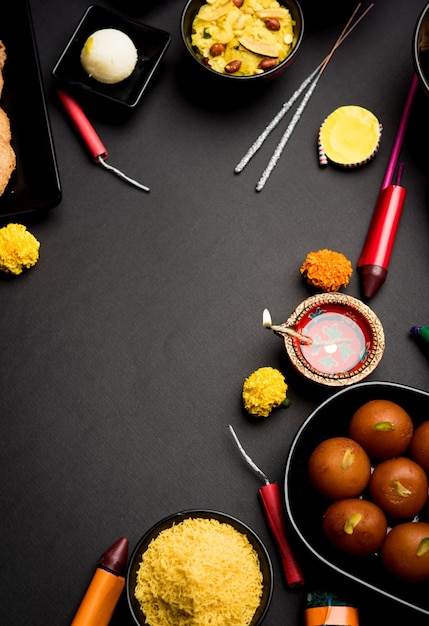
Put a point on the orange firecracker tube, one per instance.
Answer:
(104, 591)
(331, 616)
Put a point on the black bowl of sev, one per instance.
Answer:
(198, 563)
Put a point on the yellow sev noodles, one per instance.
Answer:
(200, 572)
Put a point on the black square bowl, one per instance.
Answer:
(151, 44)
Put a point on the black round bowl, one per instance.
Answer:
(188, 15)
(264, 560)
(421, 49)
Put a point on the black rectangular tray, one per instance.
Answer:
(35, 184)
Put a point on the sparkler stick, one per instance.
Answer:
(297, 116)
(311, 80)
(286, 136)
(280, 115)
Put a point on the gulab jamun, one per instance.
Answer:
(419, 446)
(400, 487)
(383, 428)
(355, 526)
(339, 468)
(405, 551)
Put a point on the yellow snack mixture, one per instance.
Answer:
(243, 37)
(200, 572)
(264, 390)
(327, 270)
(19, 249)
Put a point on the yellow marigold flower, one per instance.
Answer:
(19, 249)
(263, 391)
(327, 270)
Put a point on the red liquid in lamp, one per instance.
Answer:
(339, 343)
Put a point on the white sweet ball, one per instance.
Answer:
(109, 56)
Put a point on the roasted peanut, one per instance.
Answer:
(217, 49)
(272, 24)
(233, 66)
(238, 3)
(267, 64)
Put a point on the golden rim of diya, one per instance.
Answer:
(353, 309)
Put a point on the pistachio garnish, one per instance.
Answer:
(348, 459)
(399, 488)
(384, 426)
(351, 522)
(423, 547)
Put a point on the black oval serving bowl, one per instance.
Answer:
(305, 507)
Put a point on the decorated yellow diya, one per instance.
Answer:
(332, 339)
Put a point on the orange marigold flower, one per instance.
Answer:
(327, 270)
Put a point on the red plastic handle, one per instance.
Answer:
(273, 507)
(384, 224)
(83, 125)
